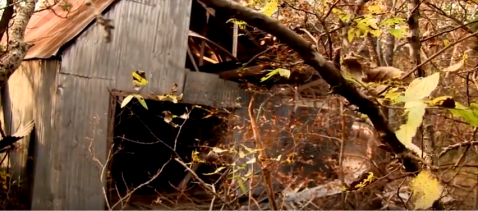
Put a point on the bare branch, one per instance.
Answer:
(6, 17)
(414, 34)
(328, 72)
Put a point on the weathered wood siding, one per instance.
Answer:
(149, 36)
(208, 89)
(30, 94)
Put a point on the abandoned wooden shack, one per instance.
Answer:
(72, 80)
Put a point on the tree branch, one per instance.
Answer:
(16, 47)
(6, 17)
(328, 72)
(414, 34)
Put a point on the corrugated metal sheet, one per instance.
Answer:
(50, 29)
(148, 35)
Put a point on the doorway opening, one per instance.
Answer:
(146, 143)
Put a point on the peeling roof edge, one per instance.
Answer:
(63, 26)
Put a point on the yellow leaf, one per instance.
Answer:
(282, 72)
(126, 100)
(375, 33)
(350, 35)
(270, 7)
(443, 101)
(162, 97)
(277, 159)
(218, 150)
(372, 22)
(251, 161)
(374, 9)
(242, 154)
(216, 171)
(184, 116)
(446, 42)
(426, 190)
(196, 158)
(406, 132)
(250, 150)
(365, 180)
(139, 78)
(422, 87)
(240, 24)
(174, 99)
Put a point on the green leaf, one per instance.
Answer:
(241, 185)
(416, 111)
(392, 21)
(469, 115)
(397, 33)
(141, 101)
(421, 87)
(126, 100)
(474, 106)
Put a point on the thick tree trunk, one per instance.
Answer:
(16, 48)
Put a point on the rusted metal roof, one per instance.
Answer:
(50, 29)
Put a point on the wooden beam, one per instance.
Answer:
(242, 72)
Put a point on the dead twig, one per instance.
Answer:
(201, 182)
(429, 59)
(141, 185)
(262, 156)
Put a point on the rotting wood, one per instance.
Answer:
(194, 34)
(328, 72)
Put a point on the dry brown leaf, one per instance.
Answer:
(455, 67)
(380, 74)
